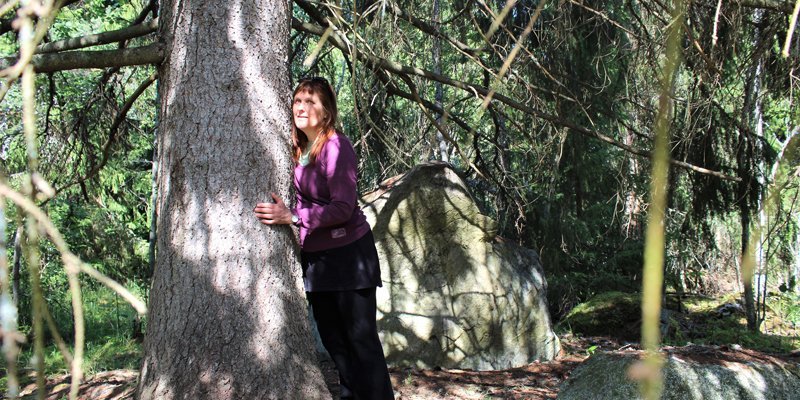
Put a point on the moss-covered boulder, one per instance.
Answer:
(454, 294)
(613, 314)
(690, 373)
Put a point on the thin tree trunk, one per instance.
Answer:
(227, 316)
(444, 152)
(577, 186)
(746, 186)
(17, 262)
(631, 224)
(749, 295)
(796, 272)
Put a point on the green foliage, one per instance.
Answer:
(786, 306)
(695, 320)
(115, 352)
(105, 218)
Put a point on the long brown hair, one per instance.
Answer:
(327, 98)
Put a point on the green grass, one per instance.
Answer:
(110, 353)
(109, 343)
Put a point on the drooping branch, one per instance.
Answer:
(112, 135)
(99, 38)
(429, 29)
(480, 91)
(150, 54)
(71, 261)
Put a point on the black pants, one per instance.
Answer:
(346, 324)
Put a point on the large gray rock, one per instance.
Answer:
(692, 373)
(454, 295)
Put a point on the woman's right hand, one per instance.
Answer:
(273, 213)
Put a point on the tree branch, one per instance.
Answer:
(784, 6)
(150, 54)
(399, 69)
(6, 24)
(427, 28)
(99, 38)
(112, 135)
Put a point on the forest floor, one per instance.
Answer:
(536, 381)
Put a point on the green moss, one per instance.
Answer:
(702, 324)
(614, 314)
(700, 304)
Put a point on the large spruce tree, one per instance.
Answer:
(227, 317)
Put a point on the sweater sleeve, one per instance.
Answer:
(338, 164)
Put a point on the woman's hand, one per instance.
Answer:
(273, 213)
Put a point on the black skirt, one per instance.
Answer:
(350, 267)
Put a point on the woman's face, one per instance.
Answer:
(308, 113)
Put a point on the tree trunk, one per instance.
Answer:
(441, 143)
(796, 272)
(631, 224)
(746, 167)
(227, 316)
(749, 294)
(577, 186)
(17, 262)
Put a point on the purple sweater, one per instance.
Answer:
(327, 198)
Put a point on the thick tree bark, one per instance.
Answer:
(227, 316)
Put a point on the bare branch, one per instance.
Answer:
(99, 38)
(480, 91)
(427, 28)
(112, 135)
(151, 54)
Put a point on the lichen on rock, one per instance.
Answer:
(455, 295)
(689, 373)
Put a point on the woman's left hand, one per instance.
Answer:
(273, 213)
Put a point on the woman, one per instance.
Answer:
(338, 256)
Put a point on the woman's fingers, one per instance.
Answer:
(271, 213)
(265, 212)
(277, 199)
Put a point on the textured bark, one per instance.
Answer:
(227, 317)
